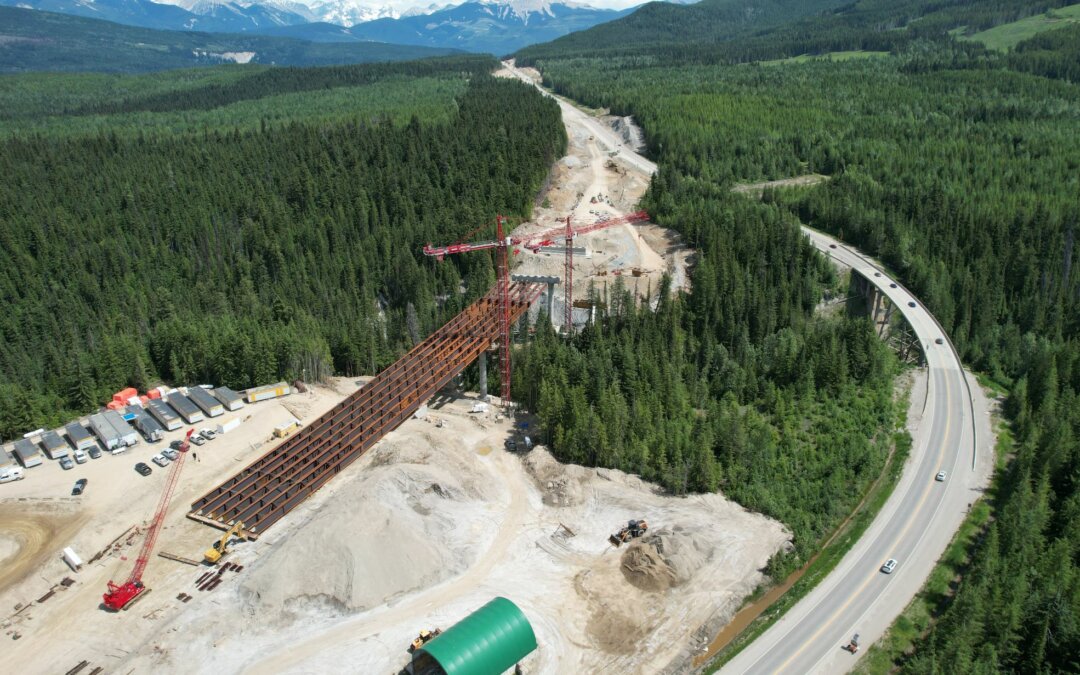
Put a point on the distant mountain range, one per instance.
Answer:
(34, 40)
(498, 26)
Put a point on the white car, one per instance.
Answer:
(11, 475)
(159, 460)
(889, 566)
(80, 457)
(940, 476)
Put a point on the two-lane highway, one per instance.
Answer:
(918, 520)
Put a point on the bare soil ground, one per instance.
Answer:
(434, 522)
(798, 181)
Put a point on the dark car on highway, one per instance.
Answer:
(142, 468)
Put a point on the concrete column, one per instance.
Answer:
(482, 362)
(551, 302)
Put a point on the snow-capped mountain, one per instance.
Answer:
(497, 26)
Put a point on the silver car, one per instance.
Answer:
(889, 566)
(170, 453)
(159, 460)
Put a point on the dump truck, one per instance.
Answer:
(633, 530)
(423, 638)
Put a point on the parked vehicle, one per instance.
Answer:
(159, 460)
(12, 474)
(208, 434)
(170, 453)
(66, 463)
(197, 440)
(94, 452)
(80, 485)
(80, 457)
(143, 469)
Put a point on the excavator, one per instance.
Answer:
(633, 529)
(423, 638)
(214, 554)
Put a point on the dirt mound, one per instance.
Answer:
(627, 130)
(391, 531)
(664, 558)
(560, 484)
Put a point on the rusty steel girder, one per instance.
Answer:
(263, 492)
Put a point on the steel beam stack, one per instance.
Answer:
(283, 478)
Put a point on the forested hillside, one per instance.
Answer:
(32, 40)
(248, 251)
(960, 167)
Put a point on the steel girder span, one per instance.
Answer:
(276, 483)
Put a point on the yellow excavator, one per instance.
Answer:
(214, 554)
(423, 638)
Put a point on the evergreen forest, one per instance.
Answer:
(168, 235)
(957, 163)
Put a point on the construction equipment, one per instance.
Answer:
(633, 530)
(221, 547)
(533, 242)
(423, 638)
(121, 596)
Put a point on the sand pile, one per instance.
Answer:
(664, 558)
(560, 484)
(395, 529)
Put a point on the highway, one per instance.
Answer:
(919, 519)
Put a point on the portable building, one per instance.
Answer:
(267, 392)
(55, 447)
(147, 425)
(228, 425)
(487, 642)
(79, 437)
(164, 414)
(183, 405)
(229, 398)
(27, 452)
(206, 401)
(6, 462)
(106, 433)
(128, 435)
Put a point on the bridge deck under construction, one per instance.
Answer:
(276, 483)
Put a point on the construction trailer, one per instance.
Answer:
(128, 435)
(183, 405)
(6, 462)
(55, 447)
(225, 426)
(79, 437)
(27, 452)
(146, 425)
(229, 398)
(267, 392)
(206, 401)
(164, 414)
(108, 435)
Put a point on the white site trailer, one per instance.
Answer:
(164, 414)
(27, 452)
(128, 435)
(55, 446)
(106, 433)
(206, 401)
(229, 398)
(183, 405)
(78, 435)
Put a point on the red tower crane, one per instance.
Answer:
(120, 596)
(533, 242)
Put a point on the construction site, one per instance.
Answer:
(373, 525)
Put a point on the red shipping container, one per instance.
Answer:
(114, 405)
(144, 400)
(153, 393)
(125, 394)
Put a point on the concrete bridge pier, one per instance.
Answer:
(549, 290)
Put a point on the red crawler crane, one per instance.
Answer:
(502, 244)
(119, 597)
